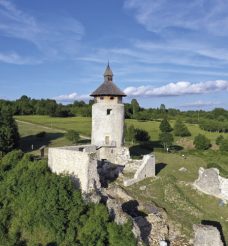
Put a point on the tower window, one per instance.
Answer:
(111, 98)
(109, 111)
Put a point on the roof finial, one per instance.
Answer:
(108, 73)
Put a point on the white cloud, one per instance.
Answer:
(178, 89)
(54, 35)
(155, 15)
(14, 58)
(71, 97)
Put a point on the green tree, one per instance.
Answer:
(166, 139)
(130, 134)
(73, 136)
(224, 145)
(135, 107)
(165, 126)
(219, 139)
(180, 129)
(9, 136)
(201, 142)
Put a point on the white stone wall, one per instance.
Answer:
(118, 155)
(107, 125)
(81, 165)
(145, 170)
(211, 183)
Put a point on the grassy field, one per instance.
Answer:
(83, 125)
(171, 189)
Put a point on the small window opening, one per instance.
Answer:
(109, 111)
(111, 98)
(81, 149)
(101, 98)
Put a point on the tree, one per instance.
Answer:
(73, 136)
(141, 135)
(135, 107)
(201, 142)
(166, 139)
(224, 145)
(180, 129)
(219, 139)
(130, 134)
(9, 136)
(165, 126)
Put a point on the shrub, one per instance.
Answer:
(219, 139)
(224, 145)
(201, 142)
(141, 135)
(73, 136)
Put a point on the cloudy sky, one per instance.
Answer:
(161, 51)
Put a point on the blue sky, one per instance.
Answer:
(161, 51)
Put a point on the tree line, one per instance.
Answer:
(216, 118)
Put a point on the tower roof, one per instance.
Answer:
(108, 71)
(108, 88)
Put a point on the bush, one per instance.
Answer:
(224, 145)
(41, 134)
(73, 136)
(219, 139)
(201, 142)
(141, 135)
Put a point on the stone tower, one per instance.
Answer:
(108, 113)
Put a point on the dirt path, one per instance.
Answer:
(49, 128)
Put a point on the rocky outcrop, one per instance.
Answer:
(211, 183)
(206, 235)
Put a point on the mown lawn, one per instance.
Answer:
(83, 125)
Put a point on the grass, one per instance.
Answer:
(83, 125)
(172, 189)
(52, 138)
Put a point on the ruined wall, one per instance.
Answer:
(119, 155)
(111, 125)
(145, 170)
(206, 235)
(82, 166)
(211, 183)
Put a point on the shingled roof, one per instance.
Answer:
(108, 88)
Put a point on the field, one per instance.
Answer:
(172, 188)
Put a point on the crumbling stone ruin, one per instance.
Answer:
(207, 235)
(211, 183)
(92, 165)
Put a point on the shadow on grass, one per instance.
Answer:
(217, 225)
(84, 141)
(144, 148)
(27, 142)
(159, 167)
